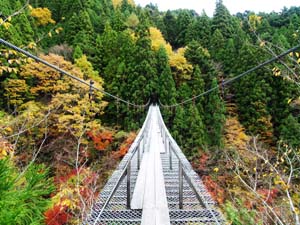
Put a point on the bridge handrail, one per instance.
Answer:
(127, 167)
(185, 168)
(183, 162)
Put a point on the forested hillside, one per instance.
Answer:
(59, 142)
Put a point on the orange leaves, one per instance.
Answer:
(43, 16)
(101, 140)
(214, 189)
(268, 195)
(56, 215)
(74, 190)
(125, 146)
(202, 161)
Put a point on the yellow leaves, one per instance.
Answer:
(276, 71)
(3, 153)
(242, 136)
(11, 61)
(278, 181)
(235, 135)
(295, 35)
(180, 65)
(216, 169)
(43, 16)
(254, 21)
(4, 23)
(117, 3)
(30, 7)
(296, 55)
(48, 80)
(31, 45)
(8, 69)
(58, 30)
(262, 43)
(75, 109)
(5, 148)
(66, 197)
(289, 100)
(15, 90)
(157, 41)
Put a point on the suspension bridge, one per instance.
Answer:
(154, 184)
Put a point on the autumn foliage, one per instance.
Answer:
(217, 193)
(101, 139)
(74, 190)
(269, 195)
(43, 16)
(57, 215)
(124, 146)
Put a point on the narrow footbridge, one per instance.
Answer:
(154, 184)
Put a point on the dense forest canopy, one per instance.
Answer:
(243, 139)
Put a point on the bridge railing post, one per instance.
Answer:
(170, 156)
(128, 185)
(180, 186)
(138, 156)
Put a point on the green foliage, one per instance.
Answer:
(239, 215)
(171, 29)
(184, 19)
(290, 131)
(215, 116)
(196, 135)
(217, 45)
(199, 30)
(222, 20)
(25, 195)
(77, 53)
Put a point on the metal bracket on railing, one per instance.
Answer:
(128, 169)
(138, 156)
(180, 186)
(170, 156)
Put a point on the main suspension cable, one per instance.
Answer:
(234, 78)
(36, 58)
